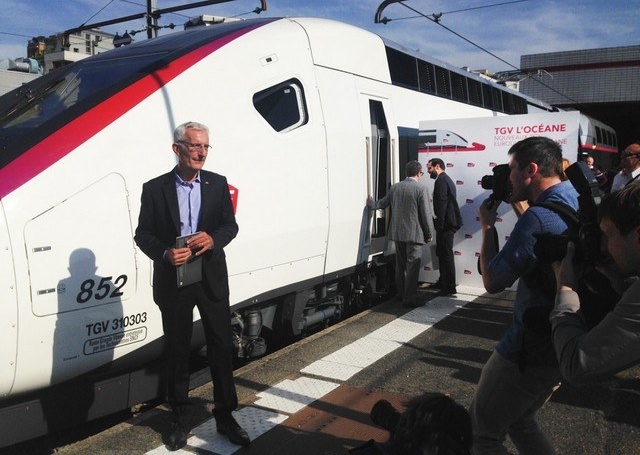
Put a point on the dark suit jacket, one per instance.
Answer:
(445, 205)
(159, 225)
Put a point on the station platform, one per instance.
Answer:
(314, 397)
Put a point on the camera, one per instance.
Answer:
(385, 415)
(498, 182)
(550, 248)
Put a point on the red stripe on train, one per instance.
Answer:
(55, 147)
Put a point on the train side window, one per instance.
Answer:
(402, 68)
(520, 104)
(459, 87)
(443, 84)
(426, 77)
(598, 135)
(475, 92)
(486, 95)
(509, 103)
(283, 106)
(497, 99)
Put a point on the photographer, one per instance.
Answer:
(431, 424)
(522, 372)
(614, 344)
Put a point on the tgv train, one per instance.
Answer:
(600, 141)
(308, 117)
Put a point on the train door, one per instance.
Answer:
(9, 321)
(81, 261)
(380, 167)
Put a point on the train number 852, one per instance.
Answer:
(105, 288)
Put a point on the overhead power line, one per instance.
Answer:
(437, 19)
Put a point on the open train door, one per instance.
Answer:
(380, 171)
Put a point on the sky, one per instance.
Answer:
(505, 28)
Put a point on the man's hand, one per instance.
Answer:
(487, 213)
(566, 276)
(200, 243)
(428, 239)
(177, 256)
(370, 202)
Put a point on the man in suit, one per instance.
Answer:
(447, 221)
(189, 200)
(408, 229)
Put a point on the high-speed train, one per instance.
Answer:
(308, 117)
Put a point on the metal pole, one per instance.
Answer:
(152, 19)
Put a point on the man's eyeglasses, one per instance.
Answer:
(421, 173)
(190, 146)
(627, 154)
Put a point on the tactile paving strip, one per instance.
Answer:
(351, 359)
(291, 396)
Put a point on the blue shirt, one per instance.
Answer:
(189, 201)
(517, 257)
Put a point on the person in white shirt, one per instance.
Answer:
(630, 167)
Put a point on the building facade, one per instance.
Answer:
(55, 51)
(602, 83)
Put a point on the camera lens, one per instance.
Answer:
(487, 182)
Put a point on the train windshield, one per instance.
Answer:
(34, 104)
(38, 109)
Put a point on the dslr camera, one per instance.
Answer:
(550, 248)
(498, 182)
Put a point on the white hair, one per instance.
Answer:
(179, 132)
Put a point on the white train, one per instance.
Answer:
(307, 118)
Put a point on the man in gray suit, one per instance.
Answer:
(408, 229)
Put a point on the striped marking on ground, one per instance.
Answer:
(277, 403)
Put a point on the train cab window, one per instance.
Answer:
(282, 106)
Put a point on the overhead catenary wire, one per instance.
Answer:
(437, 19)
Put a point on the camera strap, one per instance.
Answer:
(562, 209)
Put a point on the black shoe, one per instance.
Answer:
(232, 430)
(447, 291)
(413, 302)
(177, 439)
